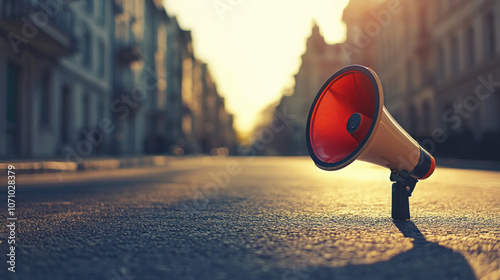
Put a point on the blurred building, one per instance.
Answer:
(191, 97)
(225, 134)
(88, 78)
(319, 62)
(176, 46)
(216, 129)
(138, 97)
(358, 45)
(439, 63)
(151, 72)
(56, 66)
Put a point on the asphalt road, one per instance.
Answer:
(252, 218)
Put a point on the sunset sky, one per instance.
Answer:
(253, 47)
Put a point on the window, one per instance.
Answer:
(427, 115)
(65, 114)
(410, 78)
(13, 82)
(100, 108)
(101, 51)
(89, 6)
(45, 99)
(489, 35)
(86, 110)
(470, 55)
(424, 75)
(102, 11)
(441, 63)
(455, 58)
(12, 110)
(86, 48)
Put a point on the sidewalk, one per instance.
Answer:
(468, 164)
(58, 165)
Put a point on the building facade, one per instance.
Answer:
(56, 63)
(216, 128)
(91, 78)
(439, 62)
(140, 95)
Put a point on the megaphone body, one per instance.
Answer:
(348, 121)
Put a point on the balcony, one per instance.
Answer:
(128, 52)
(48, 30)
(128, 48)
(118, 6)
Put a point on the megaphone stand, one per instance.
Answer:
(402, 188)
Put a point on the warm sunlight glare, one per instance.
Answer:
(253, 47)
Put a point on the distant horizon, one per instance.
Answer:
(250, 74)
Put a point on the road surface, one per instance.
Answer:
(251, 218)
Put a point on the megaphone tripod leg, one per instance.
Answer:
(402, 188)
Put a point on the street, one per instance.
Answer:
(252, 218)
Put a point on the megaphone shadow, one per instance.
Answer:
(426, 260)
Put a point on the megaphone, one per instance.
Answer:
(348, 121)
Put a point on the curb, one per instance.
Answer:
(53, 166)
